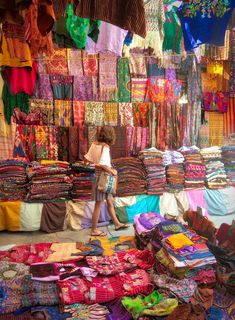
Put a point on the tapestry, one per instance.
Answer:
(94, 113)
(82, 88)
(63, 113)
(108, 77)
(75, 67)
(92, 133)
(229, 118)
(110, 113)
(124, 81)
(63, 143)
(216, 129)
(62, 87)
(43, 88)
(57, 62)
(119, 149)
(137, 66)
(138, 89)
(141, 114)
(78, 113)
(73, 143)
(46, 108)
(90, 64)
(126, 114)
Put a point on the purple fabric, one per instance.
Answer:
(43, 88)
(82, 88)
(117, 311)
(104, 219)
(150, 220)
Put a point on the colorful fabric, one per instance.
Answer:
(57, 63)
(83, 88)
(215, 101)
(46, 108)
(94, 113)
(119, 149)
(43, 88)
(75, 62)
(216, 129)
(7, 141)
(141, 113)
(46, 143)
(78, 113)
(110, 113)
(107, 77)
(232, 65)
(124, 80)
(90, 64)
(137, 66)
(63, 143)
(126, 114)
(25, 142)
(62, 87)
(138, 89)
(229, 118)
(73, 144)
(92, 135)
(63, 113)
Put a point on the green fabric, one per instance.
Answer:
(79, 28)
(172, 32)
(121, 214)
(136, 306)
(61, 35)
(10, 101)
(124, 80)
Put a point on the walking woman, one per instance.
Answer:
(99, 154)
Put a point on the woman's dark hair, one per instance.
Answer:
(107, 135)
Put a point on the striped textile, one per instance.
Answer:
(138, 89)
(229, 118)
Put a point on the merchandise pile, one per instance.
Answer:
(173, 161)
(195, 170)
(155, 170)
(13, 182)
(228, 158)
(215, 171)
(131, 176)
(49, 180)
(83, 178)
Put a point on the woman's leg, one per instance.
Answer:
(95, 217)
(112, 214)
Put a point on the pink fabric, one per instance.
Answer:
(196, 199)
(22, 79)
(111, 39)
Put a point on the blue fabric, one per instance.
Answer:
(214, 202)
(147, 204)
(204, 21)
(228, 196)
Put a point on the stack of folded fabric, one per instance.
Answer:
(131, 177)
(175, 177)
(182, 253)
(155, 170)
(215, 172)
(13, 182)
(195, 170)
(144, 225)
(173, 161)
(228, 158)
(83, 177)
(49, 180)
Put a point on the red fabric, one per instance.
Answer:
(22, 79)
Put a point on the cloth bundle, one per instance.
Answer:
(195, 171)
(175, 177)
(83, 177)
(131, 177)
(215, 172)
(155, 170)
(13, 182)
(228, 158)
(49, 180)
(172, 157)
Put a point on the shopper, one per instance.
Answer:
(99, 154)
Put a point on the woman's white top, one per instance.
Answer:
(99, 154)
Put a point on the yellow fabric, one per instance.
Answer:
(10, 215)
(6, 60)
(63, 252)
(179, 240)
(216, 129)
(75, 211)
(108, 244)
(215, 68)
(51, 162)
(163, 308)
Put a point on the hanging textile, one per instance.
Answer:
(20, 100)
(73, 144)
(43, 88)
(62, 87)
(46, 108)
(137, 66)
(94, 113)
(25, 142)
(57, 63)
(63, 113)
(90, 64)
(153, 69)
(215, 101)
(110, 113)
(75, 62)
(63, 143)
(153, 123)
(124, 81)
(119, 149)
(78, 113)
(203, 139)
(137, 139)
(82, 88)
(232, 65)
(83, 142)
(216, 129)
(229, 118)
(92, 135)
(7, 140)
(141, 113)
(172, 31)
(138, 89)
(108, 77)
(126, 114)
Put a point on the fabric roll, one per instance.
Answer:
(53, 216)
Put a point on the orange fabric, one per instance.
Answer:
(229, 118)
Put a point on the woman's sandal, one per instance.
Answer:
(99, 234)
(122, 227)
